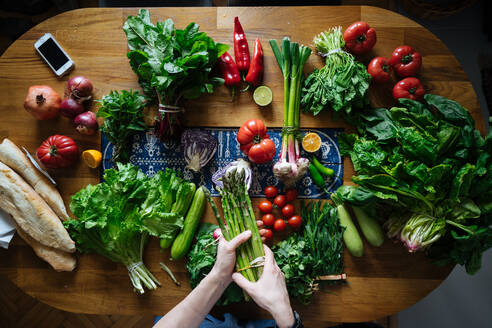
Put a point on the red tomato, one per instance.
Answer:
(379, 69)
(359, 38)
(288, 210)
(255, 142)
(406, 61)
(271, 191)
(280, 201)
(265, 206)
(58, 151)
(291, 195)
(410, 88)
(295, 221)
(268, 234)
(279, 225)
(268, 219)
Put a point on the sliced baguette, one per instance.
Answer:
(31, 212)
(59, 260)
(14, 158)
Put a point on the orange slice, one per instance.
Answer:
(311, 142)
(92, 158)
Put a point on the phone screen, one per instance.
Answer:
(53, 54)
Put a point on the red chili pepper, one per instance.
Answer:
(379, 69)
(229, 70)
(359, 38)
(406, 61)
(255, 72)
(410, 88)
(241, 49)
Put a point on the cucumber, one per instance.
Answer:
(183, 241)
(369, 226)
(351, 236)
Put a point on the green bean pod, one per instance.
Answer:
(321, 168)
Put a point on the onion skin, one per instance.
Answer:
(86, 123)
(70, 108)
(80, 88)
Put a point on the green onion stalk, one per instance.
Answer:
(238, 217)
(291, 60)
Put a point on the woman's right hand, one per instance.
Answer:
(270, 291)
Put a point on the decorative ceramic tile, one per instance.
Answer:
(151, 155)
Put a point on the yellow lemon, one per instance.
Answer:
(311, 142)
(92, 158)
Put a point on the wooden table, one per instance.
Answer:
(384, 281)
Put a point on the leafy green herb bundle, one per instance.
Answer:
(115, 217)
(432, 170)
(122, 113)
(342, 84)
(316, 251)
(201, 259)
(171, 65)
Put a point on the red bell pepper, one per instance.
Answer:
(255, 72)
(406, 61)
(359, 38)
(410, 88)
(241, 49)
(379, 69)
(229, 71)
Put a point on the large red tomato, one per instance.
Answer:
(255, 142)
(58, 151)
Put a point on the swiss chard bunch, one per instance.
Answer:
(115, 217)
(428, 164)
(306, 257)
(201, 259)
(171, 65)
(342, 84)
(123, 117)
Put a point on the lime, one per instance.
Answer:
(263, 95)
(311, 142)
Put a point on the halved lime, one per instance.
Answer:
(263, 95)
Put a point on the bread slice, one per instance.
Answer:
(14, 158)
(59, 260)
(31, 212)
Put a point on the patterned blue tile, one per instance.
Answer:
(151, 156)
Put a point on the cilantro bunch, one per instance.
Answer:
(171, 64)
(427, 165)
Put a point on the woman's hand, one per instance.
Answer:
(226, 256)
(270, 291)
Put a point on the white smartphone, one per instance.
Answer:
(53, 54)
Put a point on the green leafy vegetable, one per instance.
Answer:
(314, 252)
(122, 113)
(201, 259)
(433, 172)
(115, 217)
(341, 85)
(171, 64)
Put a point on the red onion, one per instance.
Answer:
(86, 123)
(71, 108)
(80, 88)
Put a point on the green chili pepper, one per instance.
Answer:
(317, 177)
(321, 168)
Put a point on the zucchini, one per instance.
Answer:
(183, 241)
(351, 236)
(369, 226)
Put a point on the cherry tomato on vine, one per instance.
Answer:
(268, 234)
(288, 210)
(291, 195)
(268, 219)
(279, 225)
(295, 222)
(271, 191)
(280, 201)
(265, 206)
